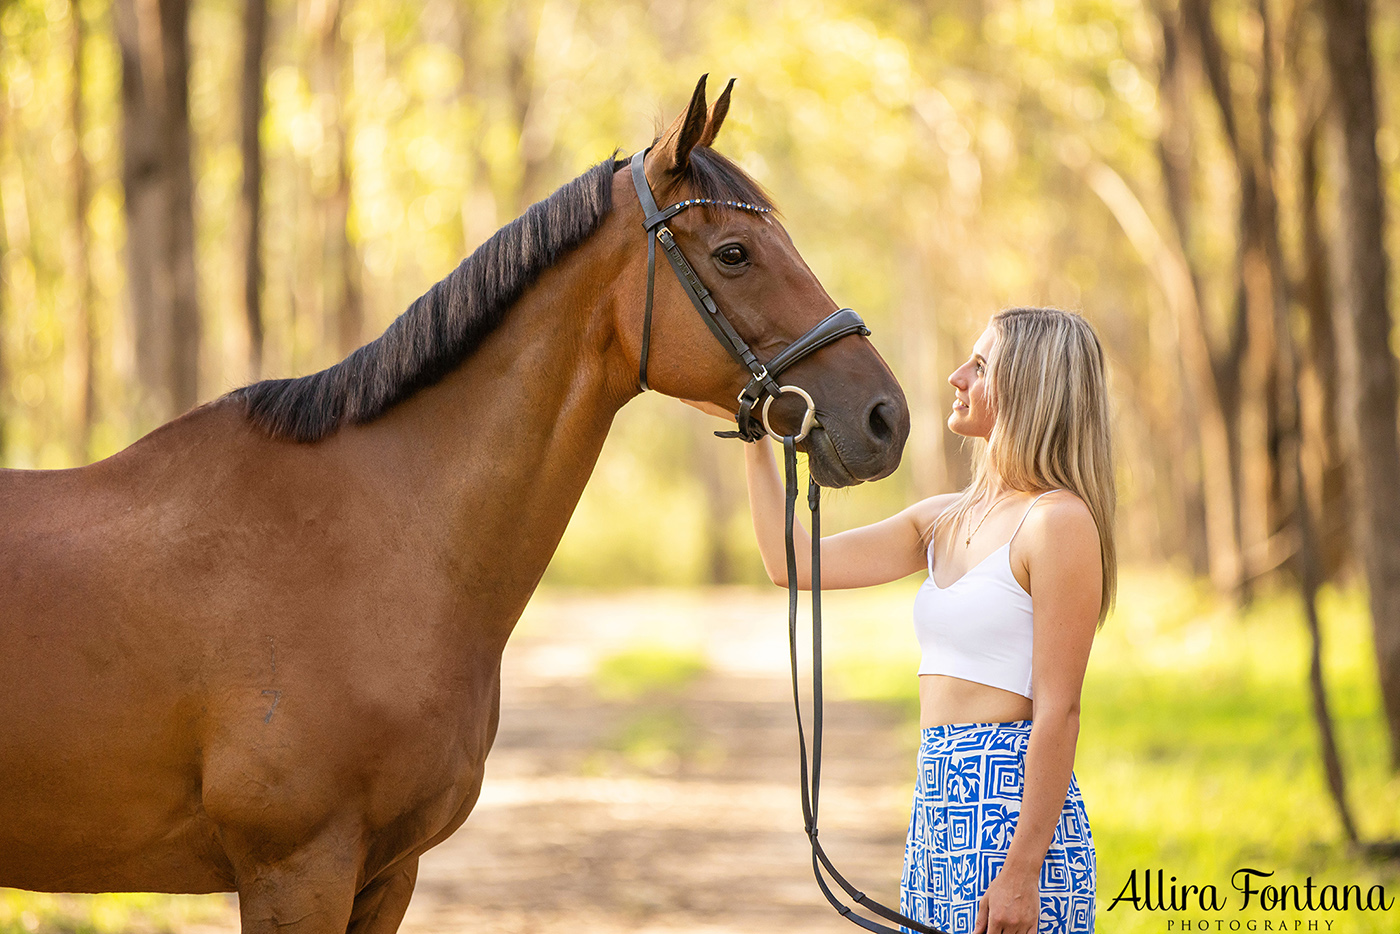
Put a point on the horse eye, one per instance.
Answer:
(732, 255)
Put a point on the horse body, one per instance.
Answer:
(187, 603)
(239, 661)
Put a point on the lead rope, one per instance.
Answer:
(811, 778)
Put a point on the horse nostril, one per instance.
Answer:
(881, 421)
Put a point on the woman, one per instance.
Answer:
(1021, 572)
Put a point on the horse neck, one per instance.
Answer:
(495, 456)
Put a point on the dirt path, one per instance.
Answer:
(571, 834)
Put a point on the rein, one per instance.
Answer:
(763, 383)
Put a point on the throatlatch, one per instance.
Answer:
(763, 383)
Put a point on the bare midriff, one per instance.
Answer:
(945, 699)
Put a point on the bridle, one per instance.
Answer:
(763, 385)
(762, 377)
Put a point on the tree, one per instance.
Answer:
(4, 248)
(159, 189)
(250, 194)
(342, 299)
(1183, 287)
(1369, 373)
(82, 268)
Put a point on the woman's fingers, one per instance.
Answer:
(980, 925)
(999, 911)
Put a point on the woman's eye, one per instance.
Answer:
(732, 255)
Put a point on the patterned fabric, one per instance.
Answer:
(966, 801)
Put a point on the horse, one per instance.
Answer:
(259, 649)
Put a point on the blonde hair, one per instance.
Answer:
(1052, 430)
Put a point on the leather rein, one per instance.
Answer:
(763, 385)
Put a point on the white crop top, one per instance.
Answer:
(978, 628)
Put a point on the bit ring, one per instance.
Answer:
(808, 420)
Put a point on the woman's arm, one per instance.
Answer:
(873, 554)
(1066, 582)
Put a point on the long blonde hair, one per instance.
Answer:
(1052, 430)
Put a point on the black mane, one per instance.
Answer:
(444, 325)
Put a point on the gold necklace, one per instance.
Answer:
(968, 542)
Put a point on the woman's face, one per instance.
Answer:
(973, 412)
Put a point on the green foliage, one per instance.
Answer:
(647, 669)
(120, 913)
(928, 159)
(922, 156)
(657, 736)
(657, 740)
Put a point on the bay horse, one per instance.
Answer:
(259, 649)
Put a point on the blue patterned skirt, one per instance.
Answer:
(966, 801)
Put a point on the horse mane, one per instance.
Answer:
(445, 324)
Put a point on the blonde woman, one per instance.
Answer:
(1021, 572)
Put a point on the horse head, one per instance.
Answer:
(762, 289)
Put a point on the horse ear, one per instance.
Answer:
(672, 151)
(718, 111)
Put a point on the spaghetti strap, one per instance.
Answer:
(933, 540)
(1028, 512)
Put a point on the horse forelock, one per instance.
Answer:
(712, 175)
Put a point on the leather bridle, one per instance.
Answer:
(763, 383)
(762, 377)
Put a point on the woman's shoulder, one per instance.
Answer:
(1058, 516)
(926, 511)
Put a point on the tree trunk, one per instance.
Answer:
(1203, 402)
(713, 465)
(85, 314)
(159, 189)
(1370, 379)
(921, 359)
(1255, 423)
(1326, 466)
(521, 40)
(342, 297)
(4, 249)
(1307, 566)
(250, 205)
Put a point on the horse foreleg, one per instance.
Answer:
(309, 891)
(380, 906)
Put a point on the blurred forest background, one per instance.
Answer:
(194, 195)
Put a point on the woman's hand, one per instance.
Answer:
(710, 408)
(1011, 904)
(861, 557)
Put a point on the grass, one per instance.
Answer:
(120, 913)
(1198, 754)
(658, 737)
(647, 669)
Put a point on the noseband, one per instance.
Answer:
(763, 383)
(762, 377)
